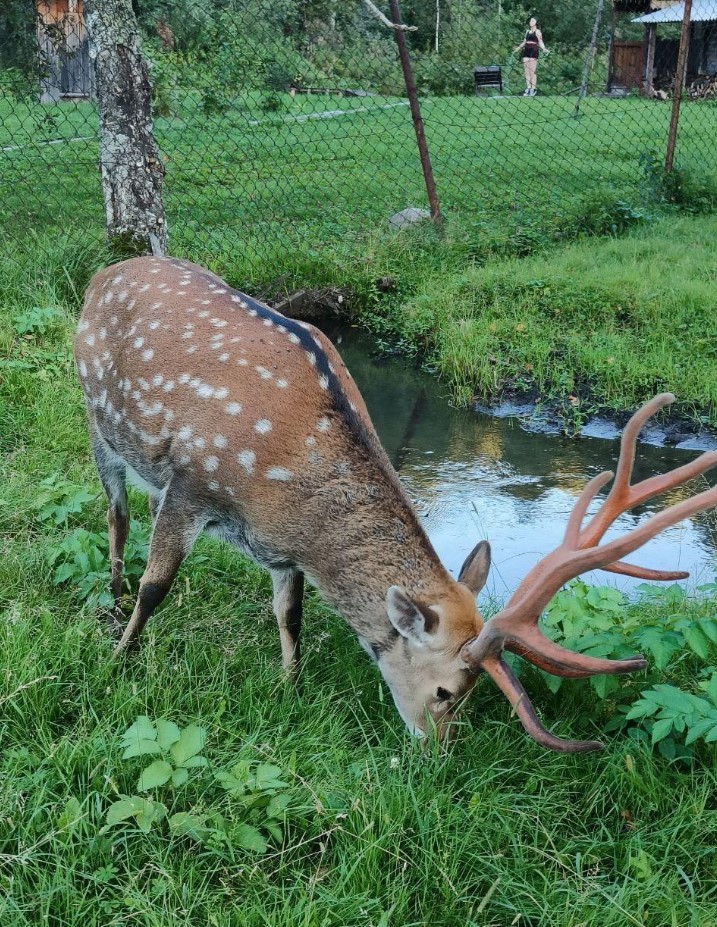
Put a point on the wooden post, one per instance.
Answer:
(651, 36)
(589, 60)
(680, 74)
(130, 163)
(610, 47)
(415, 112)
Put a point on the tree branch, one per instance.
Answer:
(386, 21)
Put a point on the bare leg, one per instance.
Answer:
(112, 472)
(532, 68)
(175, 529)
(526, 72)
(288, 593)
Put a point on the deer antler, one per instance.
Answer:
(515, 628)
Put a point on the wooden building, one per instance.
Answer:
(65, 67)
(650, 63)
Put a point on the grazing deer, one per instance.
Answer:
(247, 425)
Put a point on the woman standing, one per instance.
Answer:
(531, 43)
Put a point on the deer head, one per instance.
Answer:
(245, 424)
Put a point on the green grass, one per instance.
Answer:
(496, 832)
(611, 321)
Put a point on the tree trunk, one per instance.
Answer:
(130, 163)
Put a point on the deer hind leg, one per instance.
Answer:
(112, 473)
(176, 527)
(288, 594)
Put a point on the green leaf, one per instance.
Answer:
(266, 776)
(71, 814)
(661, 729)
(185, 824)
(711, 688)
(249, 838)
(274, 830)
(191, 742)
(712, 736)
(142, 729)
(180, 776)
(141, 748)
(167, 733)
(154, 775)
(125, 808)
(195, 761)
(698, 730)
(641, 709)
(696, 641)
(708, 626)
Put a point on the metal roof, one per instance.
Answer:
(703, 11)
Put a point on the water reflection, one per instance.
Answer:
(475, 476)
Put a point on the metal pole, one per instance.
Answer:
(589, 60)
(679, 81)
(415, 112)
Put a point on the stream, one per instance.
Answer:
(473, 475)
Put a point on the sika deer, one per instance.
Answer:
(247, 425)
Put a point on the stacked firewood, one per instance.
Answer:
(703, 88)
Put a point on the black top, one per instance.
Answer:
(531, 45)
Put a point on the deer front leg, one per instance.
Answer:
(175, 530)
(112, 473)
(288, 594)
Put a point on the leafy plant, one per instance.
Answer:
(181, 751)
(59, 499)
(36, 321)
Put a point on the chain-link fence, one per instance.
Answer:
(284, 124)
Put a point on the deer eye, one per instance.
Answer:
(443, 695)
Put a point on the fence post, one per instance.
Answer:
(130, 162)
(680, 73)
(589, 60)
(415, 112)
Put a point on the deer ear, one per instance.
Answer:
(412, 622)
(474, 571)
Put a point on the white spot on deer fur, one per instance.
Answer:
(155, 306)
(187, 335)
(281, 328)
(219, 441)
(184, 433)
(221, 392)
(114, 321)
(312, 357)
(83, 326)
(168, 415)
(213, 485)
(224, 357)
(136, 395)
(219, 323)
(268, 323)
(90, 341)
(148, 354)
(102, 334)
(108, 297)
(323, 424)
(264, 373)
(191, 349)
(203, 314)
(294, 339)
(168, 386)
(164, 432)
(184, 378)
(184, 460)
(155, 270)
(282, 384)
(121, 297)
(253, 312)
(82, 367)
(211, 464)
(279, 473)
(132, 331)
(247, 459)
(117, 279)
(206, 302)
(138, 342)
(157, 380)
(153, 326)
(145, 286)
(143, 384)
(324, 381)
(199, 443)
(228, 490)
(310, 441)
(263, 426)
(233, 408)
(205, 391)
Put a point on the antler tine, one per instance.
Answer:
(639, 572)
(510, 686)
(572, 531)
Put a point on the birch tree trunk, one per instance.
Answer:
(130, 163)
